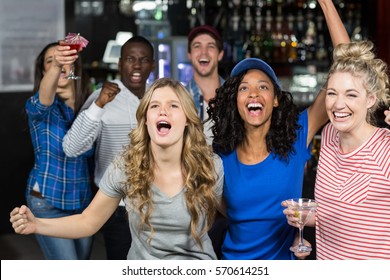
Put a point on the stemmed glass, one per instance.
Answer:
(75, 42)
(303, 210)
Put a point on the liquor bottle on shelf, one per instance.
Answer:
(238, 54)
(321, 49)
(248, 19)
(310, 38)
(349, 22)
(321, 52)
(299, 31)
(269, 3)
(235, 21)
(257, 37)
(238, 39)
(228, 40)
(268, 44)
(357, 32)
(301, 4)
(248, 47)
(292, 41)
(279, 49)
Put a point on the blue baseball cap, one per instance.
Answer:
(255, 63)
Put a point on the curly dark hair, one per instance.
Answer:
(228, 127)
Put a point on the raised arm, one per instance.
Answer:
(49, 83)
(338, 34)
(86, 128)
(74, 226)
(336, 28)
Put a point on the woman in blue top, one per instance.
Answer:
(58, 185)
(263, 141)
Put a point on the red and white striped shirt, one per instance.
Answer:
(353, 192)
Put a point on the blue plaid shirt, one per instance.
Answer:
(63, 181)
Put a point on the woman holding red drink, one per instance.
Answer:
(57, 185)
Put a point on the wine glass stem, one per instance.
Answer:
(300, 236)
(71, 73)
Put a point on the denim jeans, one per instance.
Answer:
(116, 234)
(55, 248)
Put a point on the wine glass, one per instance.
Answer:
(303, 210)
(73, 46)
(75, 42)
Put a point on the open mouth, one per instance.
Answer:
(338, 115)
(254, 107)
(63, 73)
(204, 61)
(136, 77)
(163, 127)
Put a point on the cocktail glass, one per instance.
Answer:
(303, 210)
(75, 42)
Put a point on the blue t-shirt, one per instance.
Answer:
(258, 228)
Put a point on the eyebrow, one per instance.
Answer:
(200, 42)
(169, 101)
(258, 82)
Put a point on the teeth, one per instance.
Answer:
(163, 124)
(204, 60)
(341, 115)
(137, 74)
(255, 106)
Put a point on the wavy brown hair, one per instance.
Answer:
(197, 164)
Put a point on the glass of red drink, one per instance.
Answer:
(75, 42)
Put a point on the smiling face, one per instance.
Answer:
(204, 55)
(135, 66)
(347, 102)
(165, 118)
(256, 99)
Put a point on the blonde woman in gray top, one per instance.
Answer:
(164, 175)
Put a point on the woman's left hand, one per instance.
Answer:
(301, 256)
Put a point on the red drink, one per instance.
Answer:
(72, 46)
(75, 42)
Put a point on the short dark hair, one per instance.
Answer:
(205, 29)
(138, 39)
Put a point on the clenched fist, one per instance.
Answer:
(23, 220)
(107, 94)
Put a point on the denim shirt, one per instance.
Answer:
(197, 94)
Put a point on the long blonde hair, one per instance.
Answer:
(359, 59)
(197, 164)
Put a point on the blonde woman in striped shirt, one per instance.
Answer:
(353, 178)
